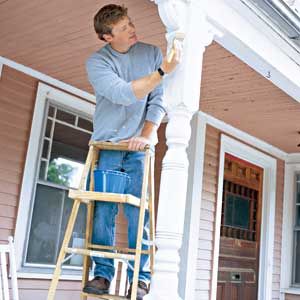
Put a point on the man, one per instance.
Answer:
(126, 76)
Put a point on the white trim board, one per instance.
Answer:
(44, 92)
(47, 79)
(288, 229)
(189, 250)
(238, 149)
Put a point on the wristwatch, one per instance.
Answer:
(161, 72)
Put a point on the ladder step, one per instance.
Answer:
(99, 253)
(107, 197)
(105, 296)
(118, 249)
(114, 146)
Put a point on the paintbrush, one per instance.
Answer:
(179, 36)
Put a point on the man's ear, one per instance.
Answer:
(108, 37)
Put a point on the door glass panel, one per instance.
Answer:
(237, 211)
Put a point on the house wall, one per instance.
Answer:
(17, 100)
(17, 96)
(208, 214)
(292, 297)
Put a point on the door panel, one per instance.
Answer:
(240, 230)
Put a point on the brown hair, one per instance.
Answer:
(108, 15)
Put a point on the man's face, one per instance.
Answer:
(123, 33)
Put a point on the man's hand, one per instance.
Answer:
(136, 143)
(169, 66)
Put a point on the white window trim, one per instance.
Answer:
(44, 92)
(268, 163)
(291, 167)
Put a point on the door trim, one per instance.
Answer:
(268, 164)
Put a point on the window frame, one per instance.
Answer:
(44, 94)
(287, 285)
(296, 229)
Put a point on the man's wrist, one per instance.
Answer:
(161, 72)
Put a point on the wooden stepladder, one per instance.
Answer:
(82, 196)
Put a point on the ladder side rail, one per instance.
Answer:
(141, 225)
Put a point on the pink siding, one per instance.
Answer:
(208, 207)
(17, 95)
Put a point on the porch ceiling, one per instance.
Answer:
(56, 39)
(238, 95)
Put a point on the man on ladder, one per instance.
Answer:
(126, 76)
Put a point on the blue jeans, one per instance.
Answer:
(105, 212)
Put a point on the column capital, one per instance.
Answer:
(187, 17)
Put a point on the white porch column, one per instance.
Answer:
(181, 94)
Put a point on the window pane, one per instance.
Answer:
(85, 124)
(237, 211)
(298, 215)
(65, 116)
(68, 154)
(298, 189)
(78, 235)
(42, 170)
(45, 149)
(297, 258)
(50, 216)
(44, 232)
(65, 172)
(48, 128)
(51, 111)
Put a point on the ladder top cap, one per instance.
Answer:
(115, 146)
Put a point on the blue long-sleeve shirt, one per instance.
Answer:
(119, 114)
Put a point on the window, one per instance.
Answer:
(297, 233)
(63, 150)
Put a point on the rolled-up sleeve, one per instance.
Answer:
(108, 84)
(155, 106)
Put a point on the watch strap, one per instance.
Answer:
(161, 72)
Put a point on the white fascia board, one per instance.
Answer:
(47, 79)
(249, 38)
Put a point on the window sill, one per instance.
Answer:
(292, 291)
(25, 275)
(47, 273)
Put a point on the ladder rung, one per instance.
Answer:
(107, 197)
(114, 248)
(105, 296)
(100, 253)
(114, 146)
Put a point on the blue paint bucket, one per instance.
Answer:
(109, 181)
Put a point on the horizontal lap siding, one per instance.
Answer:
(17, 96)
(207, 217)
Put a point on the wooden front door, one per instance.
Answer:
(240, 230)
